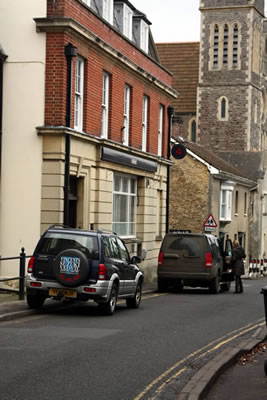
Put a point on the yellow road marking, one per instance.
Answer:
(241, 331)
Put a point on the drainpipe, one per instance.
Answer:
(3, 57)
(70, 52)
(170, 114)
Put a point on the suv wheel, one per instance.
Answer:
(214, 287)
(35, 300)
(109, 307)
(162, 285)
(135, 301)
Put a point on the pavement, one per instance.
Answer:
(235, 373)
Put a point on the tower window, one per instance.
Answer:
(216, 46)
(235, 45)
(225, 45)
(223, 111)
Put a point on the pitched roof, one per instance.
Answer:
(182, 60)
(216, 161)
(250, 163)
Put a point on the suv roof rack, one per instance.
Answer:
(180, 231)
(59, 226)
(105, 231)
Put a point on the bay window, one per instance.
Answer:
(226, 201)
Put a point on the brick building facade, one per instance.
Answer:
(105, 129)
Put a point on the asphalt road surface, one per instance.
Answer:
(149, 353)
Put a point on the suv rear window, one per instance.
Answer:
(54, 242)
(185, 245)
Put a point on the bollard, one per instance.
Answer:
(261, 270)
(22, 273)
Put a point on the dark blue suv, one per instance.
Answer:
(81, 265)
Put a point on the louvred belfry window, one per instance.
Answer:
(216, 47)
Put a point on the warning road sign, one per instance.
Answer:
(210, 223)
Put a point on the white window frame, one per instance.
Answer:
(144, 36)
(144, 123)
(105, 105)
(125, 228)
(126, 115)
(127, 22)
(79, 88)
(160, 129)
(226, 201)
(108, 10)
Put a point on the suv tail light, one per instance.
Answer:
(208, 260)
(160, 259)
(31, 265)
(102, 272)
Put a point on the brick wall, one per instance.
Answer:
(97, 61)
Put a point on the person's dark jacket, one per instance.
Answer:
(238, 254)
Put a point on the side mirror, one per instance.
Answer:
(136, 260)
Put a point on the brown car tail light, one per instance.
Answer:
(31, 265)
(208, 260)
(160, 259)
(102, 272)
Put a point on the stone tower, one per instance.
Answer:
(232, 98)
(232, 77)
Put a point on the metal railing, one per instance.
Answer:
(22, 262)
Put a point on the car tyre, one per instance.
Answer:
(35, 301)
(214, 287)
(109, 307)
(134, 302)
(162, 285)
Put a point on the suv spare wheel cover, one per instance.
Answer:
(71, 267)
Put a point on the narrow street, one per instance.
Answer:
(149, 353)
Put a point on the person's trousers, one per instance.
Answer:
(238, 284)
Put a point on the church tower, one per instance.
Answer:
(232, 100)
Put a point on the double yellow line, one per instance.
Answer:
(173, 373)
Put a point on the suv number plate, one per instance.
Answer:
(62, 292)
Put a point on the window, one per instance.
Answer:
(123, 251)
(105, 98)
(159, 214)
(144, 36)
(216, 46)
(144, 123)
(227, 188)
(126, 119)
(226, 205)
(223, 109)
(245, 203)
(225, 45)
(108, 10)
(235, 46)
(127, 22)
(79, 77)
(124, 205)
(160, 129)
(236, 202)
(194, 131)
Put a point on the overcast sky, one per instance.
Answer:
(172, 20)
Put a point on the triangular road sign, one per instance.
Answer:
(210, 222)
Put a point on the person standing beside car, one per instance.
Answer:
(238, 253)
